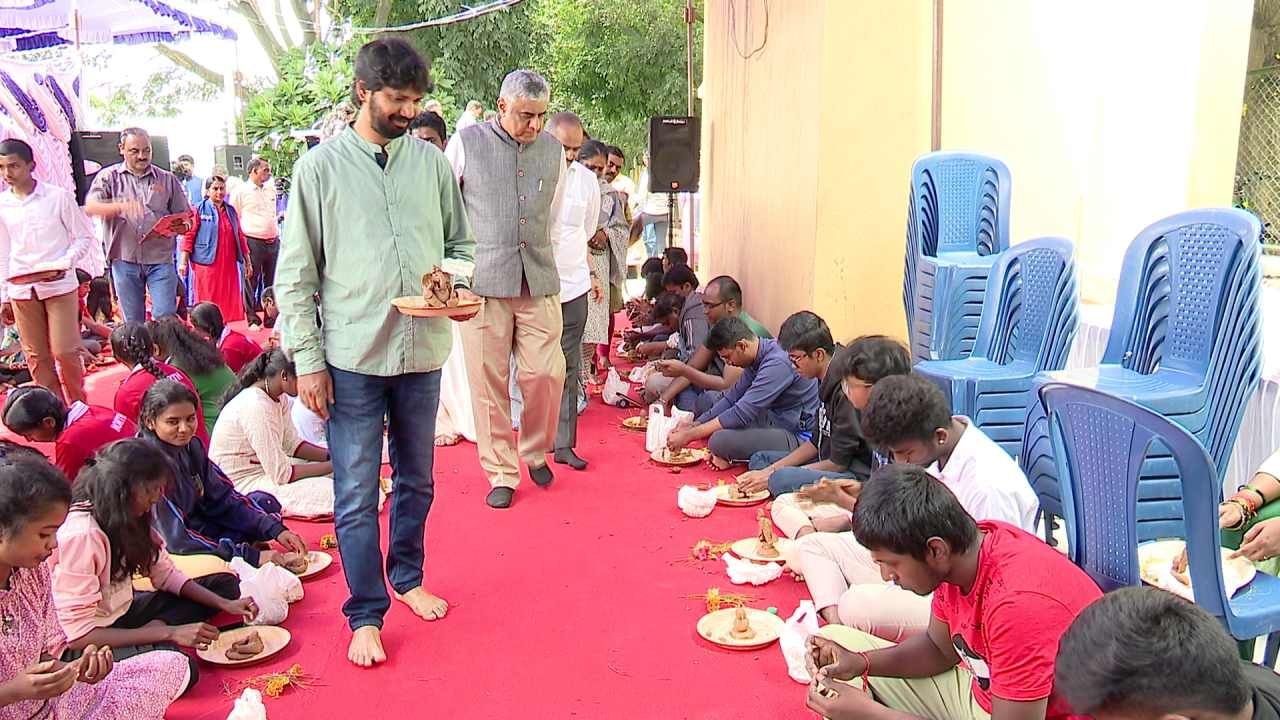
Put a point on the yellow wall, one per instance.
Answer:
(1110, 115)
(807, 150)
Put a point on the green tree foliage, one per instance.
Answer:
(159, 95)
(312, 82)
(616, 63)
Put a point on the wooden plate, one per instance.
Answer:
(714, 627)
(722, 497)
(1155, 562)
(274, 639)
(416, 306)
(689, 457)
(746, 548)
(638, 423)
(316, 563)
(38, 273)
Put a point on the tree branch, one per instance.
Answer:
(305, 19)
(381, 13)
(249, 10)
(186, 62)
(282, 26)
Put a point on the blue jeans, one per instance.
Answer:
(361, 404)
(133, 280)
(790, 479)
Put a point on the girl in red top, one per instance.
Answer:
(77, 432)
(215, 248)
(237, 350)
(132, 343)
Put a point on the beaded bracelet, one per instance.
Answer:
(1246, 514)
(1246, 499)
(1262, 499)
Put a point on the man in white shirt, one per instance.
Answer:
(255, 202)
(42, 235)
(577, 220)
(652, 211)
(470, 116)
(909, 418)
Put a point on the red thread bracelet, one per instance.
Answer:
(866, 671)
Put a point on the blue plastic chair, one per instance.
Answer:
(1029, 319)
(1185, 342)
(957, 224)
(1102, 442)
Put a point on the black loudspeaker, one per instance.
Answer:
(100, 148)
(674, 154)
(235, 158)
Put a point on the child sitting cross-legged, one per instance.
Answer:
(257, 446)
(107, 539)
(201, 512)
(811, 497)
(102, 684)
(770, 407)
(77, 432)
(1001, 601)
(911, 419)
(133, 344)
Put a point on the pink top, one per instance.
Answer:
(138, 688)
(83, 591)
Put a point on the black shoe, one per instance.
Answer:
(499, 498)
(566, 456)
(541, 476)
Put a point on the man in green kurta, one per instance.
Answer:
(371, 211)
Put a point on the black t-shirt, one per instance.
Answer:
(1266, 691)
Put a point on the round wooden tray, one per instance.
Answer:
(746, 548)
(274, 639)
(317, 562)
(714, 627)
(722, 497)
(416, 306)
(695, 456)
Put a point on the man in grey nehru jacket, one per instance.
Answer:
(512, 179)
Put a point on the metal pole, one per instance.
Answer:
(689, 18)
(935, 129)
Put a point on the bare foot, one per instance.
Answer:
(720, 463)
(366, 647)
(448, 440)
(424, 604)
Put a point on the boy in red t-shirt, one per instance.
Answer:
(1001, 601)
(77, 432)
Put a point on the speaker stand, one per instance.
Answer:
(671, 223)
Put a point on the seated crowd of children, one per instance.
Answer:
(915, 533)
(197, 457)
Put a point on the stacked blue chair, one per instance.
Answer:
(1185, 342)
(1102, 443)
(957, 224)
(1028, 322)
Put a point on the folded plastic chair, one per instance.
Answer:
(1102, 442)
(1029, 319)
(1185, 341)
(957, 224)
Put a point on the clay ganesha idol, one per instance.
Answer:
(437, 289)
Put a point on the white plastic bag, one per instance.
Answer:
(802, 623)
(615, 389)
(248, 706)
(271, 587)
(694, 502)
(660, 426)
(742, 571)
(640, 374)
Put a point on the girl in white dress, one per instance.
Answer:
(257, 446)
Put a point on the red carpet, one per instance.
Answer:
(569, 604)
